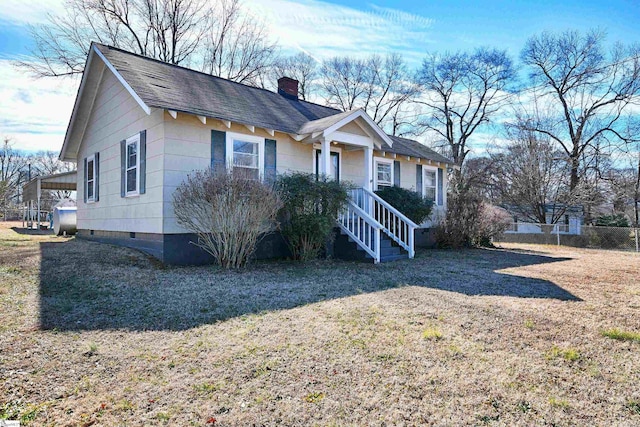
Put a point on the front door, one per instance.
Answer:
(334, 165)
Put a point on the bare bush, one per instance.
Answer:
(492, 222)
(470, 220)
(228, 212)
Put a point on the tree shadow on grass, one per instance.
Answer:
(93, 286)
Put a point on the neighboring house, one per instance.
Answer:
(569, 220)
(140, 126)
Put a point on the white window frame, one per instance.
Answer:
(92, 199)
(333, 149)
(426, 169)
(135, 139)
(377, 160)
(231, 136)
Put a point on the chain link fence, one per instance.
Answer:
(586, 236)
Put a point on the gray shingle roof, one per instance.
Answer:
(409, 147)
(323, 123)
(167, 86)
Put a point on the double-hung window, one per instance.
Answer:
(430, 184)
(132, 166)
(246, 158)
(245, 154)
(90, 184)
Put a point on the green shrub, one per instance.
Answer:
(617, 220)
(410, 203)
(309, 213)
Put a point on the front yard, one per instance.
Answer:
(92, 334)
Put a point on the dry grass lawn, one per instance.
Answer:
(92, 334)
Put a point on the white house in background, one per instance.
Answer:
(569, 221)
(140, 126)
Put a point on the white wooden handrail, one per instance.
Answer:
(393, 222)
(362, 228)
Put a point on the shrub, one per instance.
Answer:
(470, 221)
(617, 220)
(410, 203)
(492, 222)
(309, 212)
(228, 212)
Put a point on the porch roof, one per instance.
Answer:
(59, 181)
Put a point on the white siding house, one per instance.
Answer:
(139, 127)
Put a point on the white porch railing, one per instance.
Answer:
(394, 224)
(362, 228)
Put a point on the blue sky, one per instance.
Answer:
(35, 113)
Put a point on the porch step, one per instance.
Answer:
(390, 258)
(347, 248)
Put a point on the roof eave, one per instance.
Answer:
(93, 50)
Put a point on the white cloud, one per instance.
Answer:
(34, 113)
(325, 29)
(20, 12)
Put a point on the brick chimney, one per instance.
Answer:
(288, 87)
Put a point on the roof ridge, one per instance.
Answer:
(206, 74)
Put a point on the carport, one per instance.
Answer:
(32, 194)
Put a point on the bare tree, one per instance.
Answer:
(236, 46)
(461, 92)
(530, 176)
(303, 68)
(581, 92)
(13, 165)
(218, 36)
(169, 30)
(624, 182)
(48, 163)
(380, 86)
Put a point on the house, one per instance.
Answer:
(140, 126)
(560, 219)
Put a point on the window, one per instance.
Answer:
(132, 166)
(246, 158)
(384, 175)
(90, 185)
(245, 154)
(334, 158)
(430, 184)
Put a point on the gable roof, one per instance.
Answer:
(172, 87)
(157, 84)
(330, 124)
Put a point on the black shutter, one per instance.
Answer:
(419, 179)
(396, 173)
(84, 185)
(143, 162)
(218, 151)
(440, 187)
(96, 176)
(269, 161)
(123, 167)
